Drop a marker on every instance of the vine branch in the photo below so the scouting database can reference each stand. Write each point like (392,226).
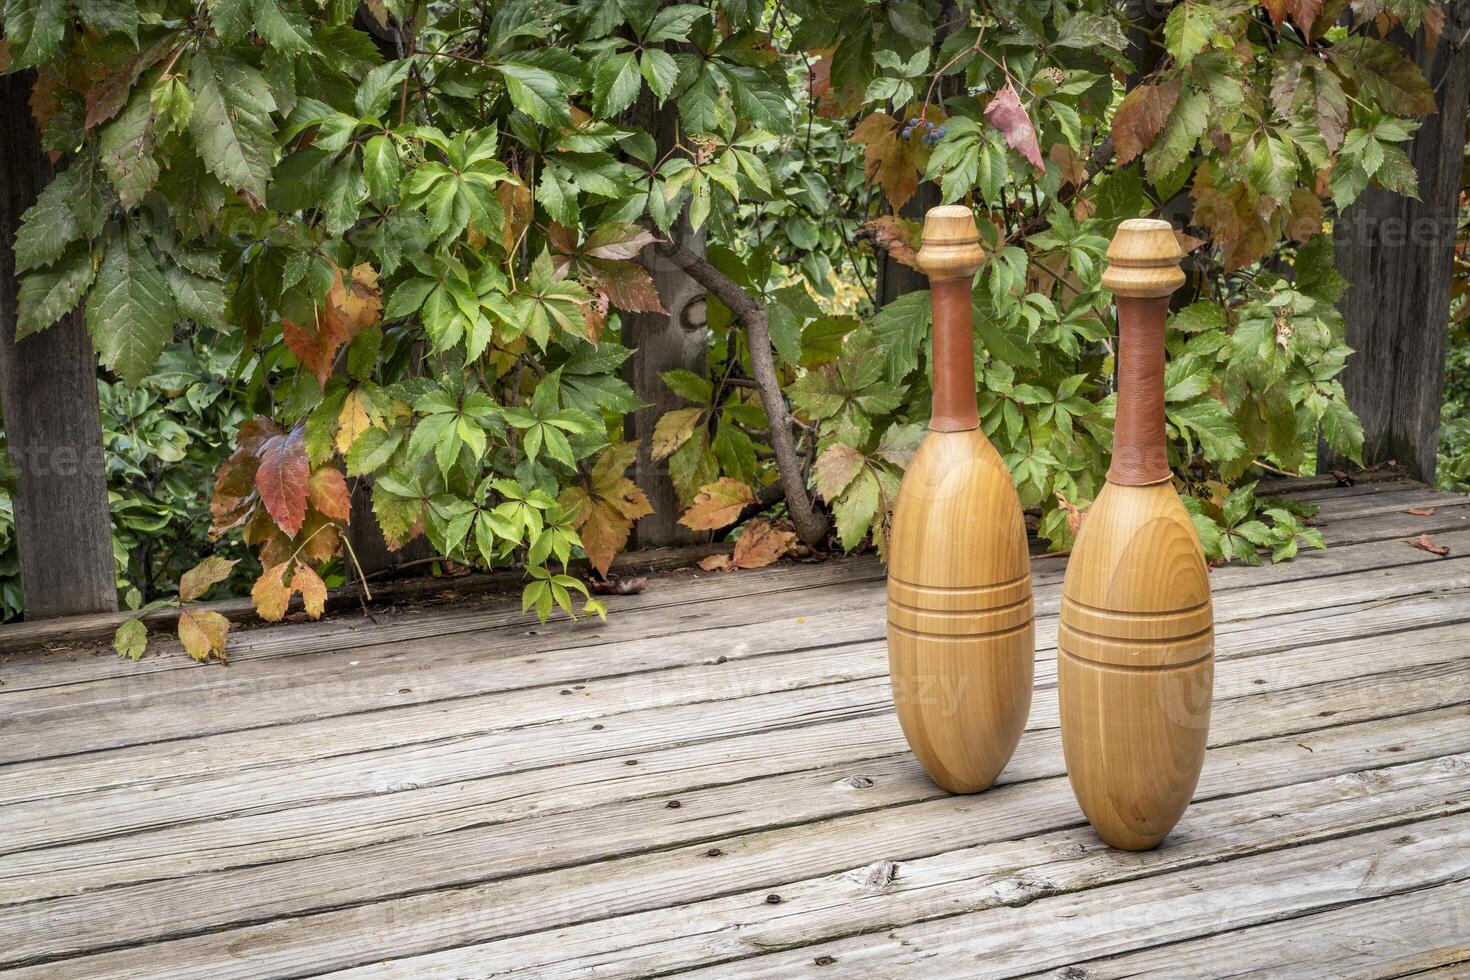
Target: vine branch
(811,526)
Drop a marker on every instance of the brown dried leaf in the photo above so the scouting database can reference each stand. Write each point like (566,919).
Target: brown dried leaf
(1423,543)
(889,161)
(1420,511)
(1141,117)
(761,544)
(897,236)
(632,585)
(717,504)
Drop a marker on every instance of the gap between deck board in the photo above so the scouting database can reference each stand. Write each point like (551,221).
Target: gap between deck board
(109,724)
(1397,936)
(88,864)
(969,879)
(84,919)
(89,775)
(1026,810)
(291,641)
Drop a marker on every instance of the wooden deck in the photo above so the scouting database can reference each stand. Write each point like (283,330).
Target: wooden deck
(714,781)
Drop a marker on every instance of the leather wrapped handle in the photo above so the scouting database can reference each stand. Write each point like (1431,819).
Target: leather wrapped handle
(1143,270)
(949,257)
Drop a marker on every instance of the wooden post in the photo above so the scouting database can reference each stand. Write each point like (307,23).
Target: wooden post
(1397,255)
(48,392)
(1135,642)
(663,342)
(961,634)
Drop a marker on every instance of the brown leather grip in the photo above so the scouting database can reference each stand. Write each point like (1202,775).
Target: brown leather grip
(953,407)
(1140,453)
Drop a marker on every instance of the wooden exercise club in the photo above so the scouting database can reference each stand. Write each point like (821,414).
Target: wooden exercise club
(1136,641)
(961,643)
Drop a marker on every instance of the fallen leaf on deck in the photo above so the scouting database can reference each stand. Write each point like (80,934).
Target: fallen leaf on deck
(1419,511)
(618,586)
(1423,543)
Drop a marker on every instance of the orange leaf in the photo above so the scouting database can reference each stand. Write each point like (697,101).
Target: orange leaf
(717,504)
(271,594)
(313,590)
(327,490)
(1423,543)
(889,160)
(282,477)
(1420,511)
(349,307)
(761,544)
(352,421)
(717,563)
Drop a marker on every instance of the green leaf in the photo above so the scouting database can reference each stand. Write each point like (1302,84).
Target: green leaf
(1199,316)
(49,226)
(688,385)
(1189,29)
(201,300)
(537,93)
(660,71)
(615,84)
(34,29)
(381,168)
(131,639)
(557,195)
(47,296)
(130,312)
(231,125)
(673,23)
(126,146)
(1342,431)
(1188,121)
(284,29)
(1208,420)
(856,508)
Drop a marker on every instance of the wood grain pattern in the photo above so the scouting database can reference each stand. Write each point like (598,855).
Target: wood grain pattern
(961,635)
(961,638)
(1136,638)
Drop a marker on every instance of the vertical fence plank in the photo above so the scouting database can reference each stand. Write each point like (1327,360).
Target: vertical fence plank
(1397,255)
(48,392)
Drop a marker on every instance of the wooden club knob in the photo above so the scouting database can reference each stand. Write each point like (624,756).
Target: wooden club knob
(951,246)
(1143,260)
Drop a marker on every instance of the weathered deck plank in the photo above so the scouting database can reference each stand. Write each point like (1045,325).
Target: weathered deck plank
(451,792)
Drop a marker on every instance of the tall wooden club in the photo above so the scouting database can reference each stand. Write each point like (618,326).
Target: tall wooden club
(961,643)
(1135,661)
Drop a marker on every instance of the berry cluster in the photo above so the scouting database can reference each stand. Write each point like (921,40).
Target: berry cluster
(932,134)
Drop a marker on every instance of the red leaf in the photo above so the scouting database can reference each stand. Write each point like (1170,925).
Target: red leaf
(328,493)
(1006,113)
(349,307)
(1423,543)
(282,479)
